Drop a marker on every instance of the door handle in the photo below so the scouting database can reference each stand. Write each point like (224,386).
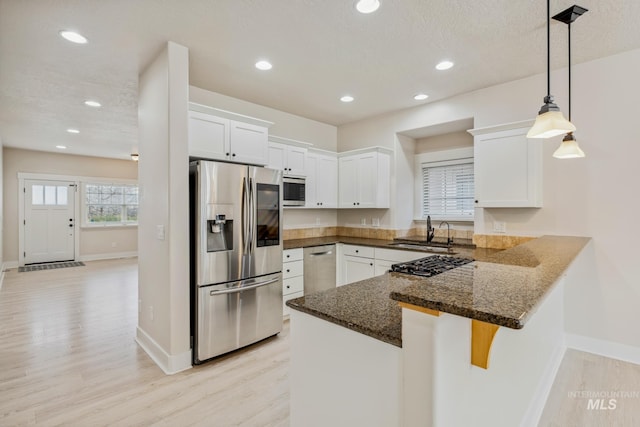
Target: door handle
(321,253)
(71,225)
(244,288)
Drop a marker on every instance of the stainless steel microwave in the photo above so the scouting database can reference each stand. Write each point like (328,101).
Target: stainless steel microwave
(293,191)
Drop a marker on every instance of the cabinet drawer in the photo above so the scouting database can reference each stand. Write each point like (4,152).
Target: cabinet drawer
(286,310)
(294,284)
(292,255)
(361,251)
(292,269)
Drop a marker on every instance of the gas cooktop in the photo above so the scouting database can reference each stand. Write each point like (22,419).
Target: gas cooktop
(430,266)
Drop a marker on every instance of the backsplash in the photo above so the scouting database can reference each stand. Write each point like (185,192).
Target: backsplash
(492,241)
(499,241)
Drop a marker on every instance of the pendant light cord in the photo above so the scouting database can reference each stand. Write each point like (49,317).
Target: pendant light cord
(548,49)
(569,24)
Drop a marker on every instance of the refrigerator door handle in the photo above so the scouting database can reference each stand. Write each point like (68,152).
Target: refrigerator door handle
(245,219)
(245,288)
(252,216)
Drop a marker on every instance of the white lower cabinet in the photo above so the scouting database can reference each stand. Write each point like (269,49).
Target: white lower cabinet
(363,262)
(357,268)
(292,276)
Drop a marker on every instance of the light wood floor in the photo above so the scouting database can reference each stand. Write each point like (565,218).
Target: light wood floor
(68,357)
(584,375)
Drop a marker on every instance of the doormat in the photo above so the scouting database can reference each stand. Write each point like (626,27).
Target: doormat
(50,266)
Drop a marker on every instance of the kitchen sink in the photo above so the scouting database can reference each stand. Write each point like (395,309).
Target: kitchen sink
(424,247)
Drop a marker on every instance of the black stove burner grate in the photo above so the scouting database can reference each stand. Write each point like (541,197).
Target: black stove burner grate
(430,266)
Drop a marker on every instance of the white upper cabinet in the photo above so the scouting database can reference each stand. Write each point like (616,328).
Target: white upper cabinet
(248,143)
(221,135)
(507,167)
(208,136)
(364,179)
(289,156)
(322,180)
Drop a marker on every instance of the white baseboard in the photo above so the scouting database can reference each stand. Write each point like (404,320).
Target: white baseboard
(537,404)
(610,349)
(112,255)
(1,278)
(170,364)
(8,265)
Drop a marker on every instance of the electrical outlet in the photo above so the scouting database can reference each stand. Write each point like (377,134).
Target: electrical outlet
(375,222)
(363,221)
(150,312)
(317,221)
(499,226)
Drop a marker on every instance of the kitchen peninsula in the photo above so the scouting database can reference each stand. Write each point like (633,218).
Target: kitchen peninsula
(416,351)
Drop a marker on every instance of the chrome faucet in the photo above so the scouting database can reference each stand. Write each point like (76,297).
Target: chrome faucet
(449,239)
(431,232)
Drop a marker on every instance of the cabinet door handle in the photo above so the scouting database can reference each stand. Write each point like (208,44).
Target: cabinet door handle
(357,251)
(358,203)
(288,271)
(227,154)
(476,201)
(233,155)
(354,203)
(288,287)
(288,256)
(371,263)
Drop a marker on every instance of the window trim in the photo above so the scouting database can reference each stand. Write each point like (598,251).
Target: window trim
(443,157)
(84,223)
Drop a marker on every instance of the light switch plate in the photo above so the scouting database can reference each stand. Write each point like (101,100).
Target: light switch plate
(160,232)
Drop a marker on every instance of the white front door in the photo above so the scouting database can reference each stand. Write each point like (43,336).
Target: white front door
(49,221)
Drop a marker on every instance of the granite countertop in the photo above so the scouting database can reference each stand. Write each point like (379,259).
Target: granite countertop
(499,287)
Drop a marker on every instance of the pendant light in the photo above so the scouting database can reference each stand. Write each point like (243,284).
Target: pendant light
(569,148)
(550,121)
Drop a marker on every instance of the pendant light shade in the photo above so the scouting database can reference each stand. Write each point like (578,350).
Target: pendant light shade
(568,149)
(550,121)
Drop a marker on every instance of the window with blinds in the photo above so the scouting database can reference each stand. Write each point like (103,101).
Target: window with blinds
(447,190)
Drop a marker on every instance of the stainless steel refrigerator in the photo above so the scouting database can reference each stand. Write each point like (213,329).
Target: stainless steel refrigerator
(236,256)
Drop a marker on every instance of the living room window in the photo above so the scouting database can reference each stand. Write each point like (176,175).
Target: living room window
(110,204)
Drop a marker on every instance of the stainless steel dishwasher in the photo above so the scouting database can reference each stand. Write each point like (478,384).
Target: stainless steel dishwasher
(319,268)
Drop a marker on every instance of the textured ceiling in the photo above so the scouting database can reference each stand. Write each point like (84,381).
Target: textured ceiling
(321,50)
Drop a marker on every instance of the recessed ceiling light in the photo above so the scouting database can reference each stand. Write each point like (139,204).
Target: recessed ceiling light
(420,97)
(73,130)
(444,65)
(61,147)
(263,65)
(74,37)
(91,103)
(346,98)
(367,6)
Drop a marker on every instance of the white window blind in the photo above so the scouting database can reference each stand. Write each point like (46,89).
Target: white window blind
(447,190)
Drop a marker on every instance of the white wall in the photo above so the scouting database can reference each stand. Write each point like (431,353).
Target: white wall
(581,196)
(445,141)
(1,207)
(94,243)
(285,125)
(163,278)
